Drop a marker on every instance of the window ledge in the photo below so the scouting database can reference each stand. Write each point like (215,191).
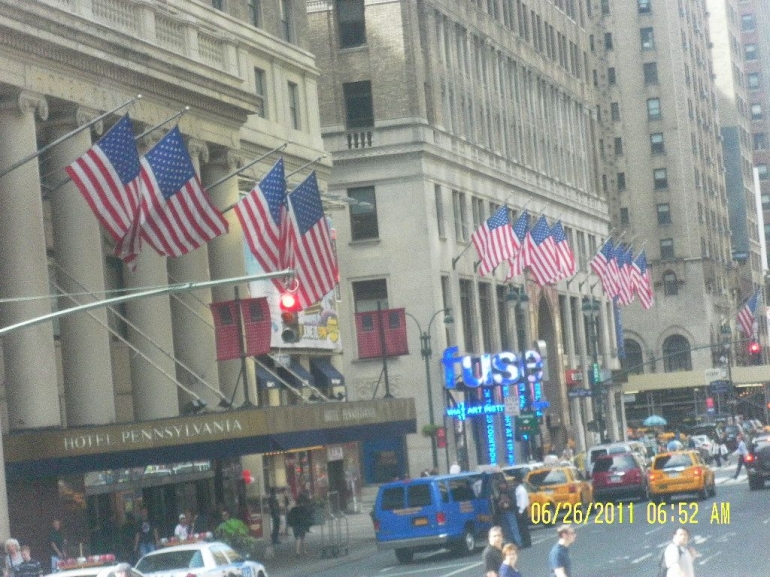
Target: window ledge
(364,242)
(359,48)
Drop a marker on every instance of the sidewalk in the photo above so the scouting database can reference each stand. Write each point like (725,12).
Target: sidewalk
(356,542)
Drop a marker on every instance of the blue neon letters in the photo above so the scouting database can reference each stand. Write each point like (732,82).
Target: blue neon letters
(505,368)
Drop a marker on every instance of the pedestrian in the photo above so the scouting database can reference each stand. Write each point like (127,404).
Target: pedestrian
(29,567)
(677,557)
(285,506)
(675,444)
(300,518)
(522,512)
(741,453)
(510,557)
(492,556)
(275,516)
(182,530)
(13,558)
(146,538)
(232,526)
(558,559)
(57,543)
(714,452)
(126,533)
(506,514)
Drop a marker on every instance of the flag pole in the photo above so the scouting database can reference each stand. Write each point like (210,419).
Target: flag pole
(244,167)
(455,259)
(186,109)
(304,166)
(61,139)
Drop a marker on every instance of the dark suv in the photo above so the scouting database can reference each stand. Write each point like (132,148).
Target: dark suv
(758,462)
(620,475)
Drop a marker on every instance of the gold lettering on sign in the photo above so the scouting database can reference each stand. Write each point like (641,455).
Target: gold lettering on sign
(150,434)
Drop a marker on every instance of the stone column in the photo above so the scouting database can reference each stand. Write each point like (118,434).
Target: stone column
(608,329)
(577,413)
(29,354)
(226,259)
(84,340)
(193,332)
(586,360)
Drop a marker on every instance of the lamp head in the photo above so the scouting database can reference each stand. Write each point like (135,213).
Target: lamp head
(448,318)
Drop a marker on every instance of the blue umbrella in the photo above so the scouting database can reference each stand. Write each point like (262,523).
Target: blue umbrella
(654,421)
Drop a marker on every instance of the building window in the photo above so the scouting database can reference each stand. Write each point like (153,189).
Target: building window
(670,284)
(486,310)
(624,218)
(621,178)
(260,88)
(753,80)
(664,214)
(477,212)
(359,107)
(762,171)
(765,202)
(653,109)
(648,38)
(676,354)
(350,18)
(749,51)
(643,6)
(287,25)
(657,144)
(218,4)
(368,294)
(255,13)
(294,104)
(650,72)
(618,146)
(633,363)
(460,216)
(612,75)
(756,111)
(363,213)
(608,40)
(760,141)
(748,22)
(605,7)
(660,177)
(615,111)
(440,210)
(467,314)
(667,249)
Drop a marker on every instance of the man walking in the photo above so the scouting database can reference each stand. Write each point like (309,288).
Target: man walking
(506,512)
(146,538)
(677,557)
(56,540)
(558,559)
(741,452)
(522,512)
(275,515)
(492,556)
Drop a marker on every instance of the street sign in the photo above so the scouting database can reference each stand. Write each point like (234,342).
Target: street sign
(720,386)
(526,423)
(540,405)
(716,374)
(629,398)
(577,393)
(595,374)
(512,408)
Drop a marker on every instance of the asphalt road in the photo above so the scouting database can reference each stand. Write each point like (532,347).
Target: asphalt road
(729,533)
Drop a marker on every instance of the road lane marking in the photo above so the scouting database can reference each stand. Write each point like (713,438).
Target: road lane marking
(640,559)
(655,530)
(709,558)
(415,571)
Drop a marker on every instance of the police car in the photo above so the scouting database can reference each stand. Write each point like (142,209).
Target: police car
(199,560)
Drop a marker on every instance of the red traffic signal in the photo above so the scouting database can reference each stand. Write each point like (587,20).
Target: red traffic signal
(246,476)
(290,308)
(288,302)
(754,348)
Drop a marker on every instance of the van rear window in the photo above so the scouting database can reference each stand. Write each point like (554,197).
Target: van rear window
(392,498)
(461,490)
(418,495)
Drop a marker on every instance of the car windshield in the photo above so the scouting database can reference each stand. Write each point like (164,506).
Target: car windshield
(169,560)
(616,463)
(673,461)
(543,478)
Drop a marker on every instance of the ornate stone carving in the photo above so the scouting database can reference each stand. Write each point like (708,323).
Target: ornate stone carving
(27,102)
(198,148)
(84,115)
(230,160)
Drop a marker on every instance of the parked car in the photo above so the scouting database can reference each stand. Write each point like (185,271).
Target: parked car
(623,475)
(430,513)
(202,559)
(99,571)
(680,472)
(563,484)
(758,461)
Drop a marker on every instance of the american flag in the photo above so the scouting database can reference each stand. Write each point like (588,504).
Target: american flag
(640,276)
(494,241)
(107,176)
(310,243)
(624,258)
(542,258)
(517,262)
(567,266)
(746,316)
(177,215)
(262,214)
(600,265)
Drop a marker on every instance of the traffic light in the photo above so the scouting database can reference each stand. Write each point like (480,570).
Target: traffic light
(755,353)
(290,308)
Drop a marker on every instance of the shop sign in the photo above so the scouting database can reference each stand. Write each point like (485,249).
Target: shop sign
(334,453)
(504,368)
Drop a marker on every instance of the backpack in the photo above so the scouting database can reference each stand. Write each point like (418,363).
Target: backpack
(662,569)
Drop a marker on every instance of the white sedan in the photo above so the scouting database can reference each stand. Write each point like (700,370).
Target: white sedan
(199,560)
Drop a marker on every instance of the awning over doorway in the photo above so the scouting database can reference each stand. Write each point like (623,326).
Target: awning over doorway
(265,379)
(325,373)
(296,375)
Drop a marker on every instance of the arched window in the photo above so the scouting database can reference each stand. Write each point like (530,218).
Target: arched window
(670,284)
(632,364)
(676,354)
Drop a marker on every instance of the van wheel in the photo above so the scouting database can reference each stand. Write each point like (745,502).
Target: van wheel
(468,543)
(404,555)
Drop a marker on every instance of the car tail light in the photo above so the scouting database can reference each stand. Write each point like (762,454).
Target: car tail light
(376,525)
(572,489)
(749,458)
(653,475)
(441,518)
(697,471)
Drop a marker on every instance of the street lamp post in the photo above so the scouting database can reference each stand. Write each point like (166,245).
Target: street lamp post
(591,307)
(726,346)
(426,352)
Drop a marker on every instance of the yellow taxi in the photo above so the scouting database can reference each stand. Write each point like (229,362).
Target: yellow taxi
(561,484)
(680,472)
